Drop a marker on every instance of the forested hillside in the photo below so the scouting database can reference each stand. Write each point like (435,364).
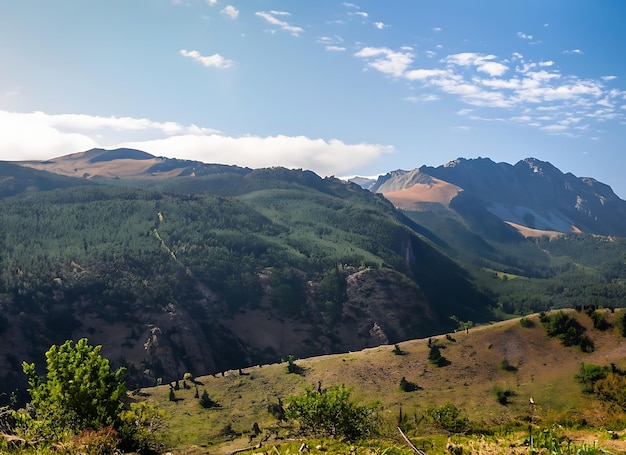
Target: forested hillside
(216,272)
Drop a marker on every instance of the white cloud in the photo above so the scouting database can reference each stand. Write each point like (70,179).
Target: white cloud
(360,13)
(493,68)
(385,60)
(230,11)
(40,136)
(437,29)
(333,48)
(212,2)
(524,35)
(609,78)
(573,51)
(270,16)
(380,25)
(534,88)
(325,157)
(215,60)
(427,98)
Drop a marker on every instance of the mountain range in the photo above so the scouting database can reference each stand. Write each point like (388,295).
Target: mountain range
(532,194)
(176,265)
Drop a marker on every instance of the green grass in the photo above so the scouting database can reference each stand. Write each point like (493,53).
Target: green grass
(545,371)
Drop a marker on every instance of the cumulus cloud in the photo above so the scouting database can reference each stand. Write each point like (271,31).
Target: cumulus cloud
(386,60)
(39,136)
(230,11)
(380,25)
(212,2)
(215,60)
(272,18)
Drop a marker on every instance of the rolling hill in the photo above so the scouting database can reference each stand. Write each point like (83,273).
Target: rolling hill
(538,369)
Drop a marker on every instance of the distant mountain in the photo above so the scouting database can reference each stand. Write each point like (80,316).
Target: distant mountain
(531,193)
(126,164)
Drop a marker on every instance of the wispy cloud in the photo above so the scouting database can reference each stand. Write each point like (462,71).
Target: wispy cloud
(230,11)
(215,60)
(524,36)
(573,52)
(533,93)
(332,48)
(39,136)
(272,18)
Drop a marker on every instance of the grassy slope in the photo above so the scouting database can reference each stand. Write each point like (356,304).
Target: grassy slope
(545,371)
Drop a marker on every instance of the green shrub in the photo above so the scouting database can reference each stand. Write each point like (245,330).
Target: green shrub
(567,329)
(589,374)
(79,392)
(448,417)
(206,402)
(526,322)
(408,386)
(505,365)
(503,395)
(332,413)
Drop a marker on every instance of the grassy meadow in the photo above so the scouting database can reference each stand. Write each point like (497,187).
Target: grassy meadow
(482,363)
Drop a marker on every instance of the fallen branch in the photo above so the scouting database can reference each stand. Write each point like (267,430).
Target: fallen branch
(411,445)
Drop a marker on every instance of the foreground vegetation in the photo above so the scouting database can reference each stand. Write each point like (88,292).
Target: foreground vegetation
(511,387)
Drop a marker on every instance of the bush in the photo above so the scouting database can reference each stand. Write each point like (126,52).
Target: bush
(435,357)
(589,374)
(408,386)
(503,395)
(206,402)
(79,392)
(505,365)
(292,367)
(567,329)
(526,322)
(332,413)
(448,417)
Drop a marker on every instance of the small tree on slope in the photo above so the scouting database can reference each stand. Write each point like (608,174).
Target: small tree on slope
(79,391)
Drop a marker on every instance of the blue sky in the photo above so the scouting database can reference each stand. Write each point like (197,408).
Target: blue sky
(341,88)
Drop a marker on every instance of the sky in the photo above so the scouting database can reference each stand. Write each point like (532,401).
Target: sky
(340,88)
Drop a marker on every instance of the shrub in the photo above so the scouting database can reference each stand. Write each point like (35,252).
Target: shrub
(599,320)
(408,386)
(567,329)
(505,365)
(448,417)
(435,357)
(526,322)
(589,374)
(622,324)
(206,402)
(79,392)
(292,367)
(503,395)
(332,414)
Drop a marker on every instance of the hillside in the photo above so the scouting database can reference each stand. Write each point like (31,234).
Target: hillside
(540,368)
(213,272)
